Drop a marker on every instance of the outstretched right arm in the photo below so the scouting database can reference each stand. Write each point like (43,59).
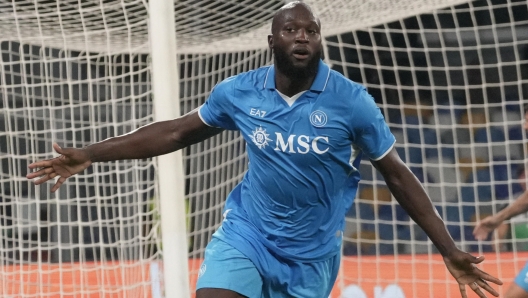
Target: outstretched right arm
(151,140)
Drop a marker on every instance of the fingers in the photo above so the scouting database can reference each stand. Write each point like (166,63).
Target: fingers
(58,184)
(57,148)
(48,174)
(45,167)
(45,174)
(39,173)
(462,288)
(47,162)
(481,232)
(481,236)
(478,233)
(52,168)
(45,178)
(478,260)
(483,284)
(475,287)
(40,164)
(483,276)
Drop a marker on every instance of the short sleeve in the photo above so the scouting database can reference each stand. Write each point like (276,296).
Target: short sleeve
(217,111)
(371,133)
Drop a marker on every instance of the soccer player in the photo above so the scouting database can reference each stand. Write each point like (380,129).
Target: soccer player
(518,289)
(306,127)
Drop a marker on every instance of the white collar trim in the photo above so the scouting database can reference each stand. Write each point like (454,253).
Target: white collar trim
(290,100)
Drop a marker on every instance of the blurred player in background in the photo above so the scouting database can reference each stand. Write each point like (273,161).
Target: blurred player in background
(306,127)
(519,289)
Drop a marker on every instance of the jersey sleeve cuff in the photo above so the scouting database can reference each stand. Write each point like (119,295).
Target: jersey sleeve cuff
(202,118)
(385,153)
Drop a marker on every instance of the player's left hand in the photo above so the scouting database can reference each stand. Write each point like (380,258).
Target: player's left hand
(462,266)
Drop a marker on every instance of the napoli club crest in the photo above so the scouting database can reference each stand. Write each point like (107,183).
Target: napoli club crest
(318,118)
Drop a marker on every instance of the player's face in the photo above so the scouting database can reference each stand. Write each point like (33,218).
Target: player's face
(296,42)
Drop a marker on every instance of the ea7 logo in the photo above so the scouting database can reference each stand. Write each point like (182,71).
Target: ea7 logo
(301,144)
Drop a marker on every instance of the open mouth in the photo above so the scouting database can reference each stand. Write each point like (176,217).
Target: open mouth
(301,53)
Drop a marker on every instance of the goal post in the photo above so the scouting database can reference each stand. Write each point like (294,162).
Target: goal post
(170,166)
(450,77)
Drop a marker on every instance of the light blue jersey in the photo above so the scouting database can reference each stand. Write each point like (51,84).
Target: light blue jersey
(522,278)
(303,161)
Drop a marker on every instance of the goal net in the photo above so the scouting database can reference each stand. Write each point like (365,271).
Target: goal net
(450,77)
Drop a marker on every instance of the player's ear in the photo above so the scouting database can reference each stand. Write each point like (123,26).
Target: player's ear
(270,41)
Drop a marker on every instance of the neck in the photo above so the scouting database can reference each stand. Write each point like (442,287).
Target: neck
(289,85)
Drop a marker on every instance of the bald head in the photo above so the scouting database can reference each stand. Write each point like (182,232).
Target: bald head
(282,15)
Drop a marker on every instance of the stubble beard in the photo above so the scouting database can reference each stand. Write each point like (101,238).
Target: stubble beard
(285,64)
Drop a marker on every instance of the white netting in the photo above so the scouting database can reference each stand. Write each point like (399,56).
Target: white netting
(449,77)
(98,236)
(201,26)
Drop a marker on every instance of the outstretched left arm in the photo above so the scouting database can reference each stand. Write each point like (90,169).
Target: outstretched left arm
(410,194)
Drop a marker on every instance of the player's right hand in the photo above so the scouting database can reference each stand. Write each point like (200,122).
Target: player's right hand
(70,162)
(485,227)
